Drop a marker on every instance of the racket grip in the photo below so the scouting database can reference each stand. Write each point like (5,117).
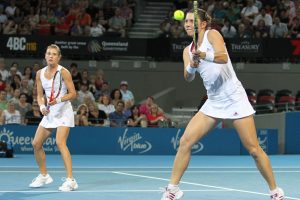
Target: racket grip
(48,107)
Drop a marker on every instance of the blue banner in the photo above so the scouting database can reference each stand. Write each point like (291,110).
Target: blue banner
(125,141)
(292,133)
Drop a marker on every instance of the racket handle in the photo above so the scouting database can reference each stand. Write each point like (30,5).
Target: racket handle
(48,107)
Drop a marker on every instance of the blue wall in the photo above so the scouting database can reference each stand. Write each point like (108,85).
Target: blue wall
(137,141)
(292,133)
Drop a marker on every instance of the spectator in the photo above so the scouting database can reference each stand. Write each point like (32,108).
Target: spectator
(76,29)
(137,119)
(97,29)
(10,28)
(155,117)
(295,28)
(84,18)
(3,16)
(105,89)
(117,23)
(2,83)
(126,13)
(33,18)
(115,96)
(81,117)
(261,30)
(278,29)
(105,105)
(96,116)
(242,32)
(27,74)
(228,31)
(146,107)
(4,73)
(23,107)
(3,100)
(43,27)
(264,16)
(36,67)
(127,95)
(250,11)
(84,93)
(117,118)
(10,115)
(101,20)
(76,75)
(11,9)
(16,96)
(16,82)
(34,116)
(85,79)
(61,27)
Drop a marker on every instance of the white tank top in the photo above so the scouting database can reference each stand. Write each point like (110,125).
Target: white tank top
(47,83)
(219,79)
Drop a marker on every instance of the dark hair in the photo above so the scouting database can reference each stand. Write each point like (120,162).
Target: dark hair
(112,94)
(203,15)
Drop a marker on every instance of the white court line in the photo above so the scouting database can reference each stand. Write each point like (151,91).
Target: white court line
(142,171)
(145,171)
(137,167)
(98,191)
(203,185)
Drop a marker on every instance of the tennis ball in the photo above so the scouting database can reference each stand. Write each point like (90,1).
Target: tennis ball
(179,15)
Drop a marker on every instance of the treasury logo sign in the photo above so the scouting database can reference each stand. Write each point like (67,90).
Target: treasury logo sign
(175,143)
(134,142)
(23,143)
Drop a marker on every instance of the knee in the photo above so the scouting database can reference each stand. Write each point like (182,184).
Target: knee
(60,145)
(37,145)
(255,151)
(185,143)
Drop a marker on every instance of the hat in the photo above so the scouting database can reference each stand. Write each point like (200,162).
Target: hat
(123,83)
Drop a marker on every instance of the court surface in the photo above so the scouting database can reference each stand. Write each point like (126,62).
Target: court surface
(140,177)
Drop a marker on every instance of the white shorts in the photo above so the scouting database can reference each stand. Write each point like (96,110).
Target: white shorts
(60,115)
(229,108)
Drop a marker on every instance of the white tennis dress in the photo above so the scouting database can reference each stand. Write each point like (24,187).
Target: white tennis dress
(227,98)
(60,114)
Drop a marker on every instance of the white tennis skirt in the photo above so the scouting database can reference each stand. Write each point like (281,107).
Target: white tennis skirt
(235,107)
(60,115)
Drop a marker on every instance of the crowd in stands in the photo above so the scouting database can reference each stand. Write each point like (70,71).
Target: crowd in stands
(96,103)
(242,18)
(91,18)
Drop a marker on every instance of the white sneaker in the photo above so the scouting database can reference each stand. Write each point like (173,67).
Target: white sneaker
(171,194)
(277,194)
(41,180)
(68,185)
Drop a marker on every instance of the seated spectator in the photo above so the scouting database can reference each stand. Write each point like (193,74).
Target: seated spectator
(261,29)
(250,11)
(2,83)
(263,16)
(115,96)
(84,18)
(155,117)
(84,93)
(43,27)
(96,116)
(278,29)
(16,82)
(105,89)
(3,101)
(117,23)
(34,116)
(228,31)
(23,107)
(81,117)
(117,118)
(76,29)
(243,32)
(27,74)
(295,28)
(3,16)
(146,107)
(105,105)
(61,27)
(97,29)
(10,115)
(101,20)
(127,95)
(126,13)
(136,119)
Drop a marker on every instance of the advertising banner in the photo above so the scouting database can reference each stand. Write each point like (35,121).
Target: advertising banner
(292,133)
(132,141)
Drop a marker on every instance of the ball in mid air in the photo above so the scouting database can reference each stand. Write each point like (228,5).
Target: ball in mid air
(179,15)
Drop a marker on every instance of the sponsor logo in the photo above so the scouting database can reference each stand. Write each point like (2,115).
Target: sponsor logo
(296,44)
(246,47)
(263,140)
(24,142)
(134,142)
(175,143)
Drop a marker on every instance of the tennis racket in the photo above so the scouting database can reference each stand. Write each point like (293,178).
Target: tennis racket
(56,87)
(196,25)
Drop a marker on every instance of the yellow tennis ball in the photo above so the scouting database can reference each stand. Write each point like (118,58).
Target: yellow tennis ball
(179,15)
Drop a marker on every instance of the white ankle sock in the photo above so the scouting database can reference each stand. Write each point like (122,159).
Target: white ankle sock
(172,186)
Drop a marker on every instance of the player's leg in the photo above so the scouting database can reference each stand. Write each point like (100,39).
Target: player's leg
(199,125)
(61,142)
(247,133)
(40,136)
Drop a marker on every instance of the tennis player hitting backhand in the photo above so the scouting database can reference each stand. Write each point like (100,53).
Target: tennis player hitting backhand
(226,100)
(58,114)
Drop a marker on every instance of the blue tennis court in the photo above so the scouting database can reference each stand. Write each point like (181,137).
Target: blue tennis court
(140,177)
